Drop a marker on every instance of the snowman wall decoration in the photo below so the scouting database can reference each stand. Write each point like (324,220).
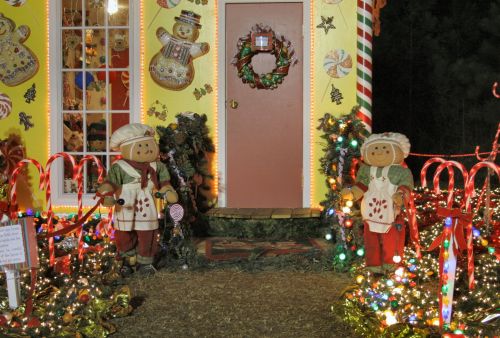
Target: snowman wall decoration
(172,67)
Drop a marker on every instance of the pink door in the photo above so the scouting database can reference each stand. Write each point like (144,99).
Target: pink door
(264,131)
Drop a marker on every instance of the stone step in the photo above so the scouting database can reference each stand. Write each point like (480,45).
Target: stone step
(266,223)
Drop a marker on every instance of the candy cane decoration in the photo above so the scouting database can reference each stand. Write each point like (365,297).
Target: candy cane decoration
(13,179)
(364,69)
(494,90)
(50,213)
(425,167)
(451,179)
(79,179)
(469,193)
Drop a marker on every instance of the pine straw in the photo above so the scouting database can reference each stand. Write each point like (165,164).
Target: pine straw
(231,302)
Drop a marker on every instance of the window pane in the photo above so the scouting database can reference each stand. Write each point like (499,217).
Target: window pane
(118,120)
(72,48)
(72,90)
(95,48)
(93,174)
(118,48)
(70,186)
(73,132)
(72,13)
(96,132)
(96,14)
(120,18)
(96,92)
(120,90)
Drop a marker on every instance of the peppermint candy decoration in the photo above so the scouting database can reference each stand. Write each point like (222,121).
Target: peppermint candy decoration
(337,63)
(176,212)
(5,105)
(168,3)
(16,3)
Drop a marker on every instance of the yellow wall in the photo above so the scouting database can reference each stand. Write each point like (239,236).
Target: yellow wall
(343,37)
(32,14)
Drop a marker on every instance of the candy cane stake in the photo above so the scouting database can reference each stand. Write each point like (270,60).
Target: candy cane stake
(13,179)
(79,179)
(451,179)
(50,213)
(469,193)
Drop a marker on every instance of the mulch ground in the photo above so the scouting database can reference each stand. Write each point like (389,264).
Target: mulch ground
(234,302)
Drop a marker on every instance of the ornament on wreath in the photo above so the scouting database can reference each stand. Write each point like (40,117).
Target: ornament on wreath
(172,67)
(262,39)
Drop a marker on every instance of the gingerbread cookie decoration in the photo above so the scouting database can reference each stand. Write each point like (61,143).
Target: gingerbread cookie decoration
(17,62)
(5,105)
(172,67)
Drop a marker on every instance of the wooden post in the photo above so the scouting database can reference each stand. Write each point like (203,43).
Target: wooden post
(13,288)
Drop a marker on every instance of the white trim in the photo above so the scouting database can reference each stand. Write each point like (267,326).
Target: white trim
(221,104)
(58,198)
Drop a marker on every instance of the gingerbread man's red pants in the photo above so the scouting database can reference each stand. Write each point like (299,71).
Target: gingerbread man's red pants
(381,248)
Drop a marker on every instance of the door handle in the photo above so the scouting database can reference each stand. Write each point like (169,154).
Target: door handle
(233,104)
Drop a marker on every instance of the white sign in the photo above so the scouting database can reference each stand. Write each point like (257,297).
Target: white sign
(11,245)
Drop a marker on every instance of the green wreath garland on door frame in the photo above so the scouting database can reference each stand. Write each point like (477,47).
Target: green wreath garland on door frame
(281,49)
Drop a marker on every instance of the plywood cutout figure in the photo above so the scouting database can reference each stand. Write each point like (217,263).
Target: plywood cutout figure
(17,62)
(172,67)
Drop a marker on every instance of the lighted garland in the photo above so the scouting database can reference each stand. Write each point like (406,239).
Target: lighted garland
(282,50)
(343,138)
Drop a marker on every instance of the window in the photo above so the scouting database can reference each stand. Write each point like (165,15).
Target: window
(92,80)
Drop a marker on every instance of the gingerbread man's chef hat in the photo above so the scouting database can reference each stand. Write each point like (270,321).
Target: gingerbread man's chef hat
(130,133)
(395,139)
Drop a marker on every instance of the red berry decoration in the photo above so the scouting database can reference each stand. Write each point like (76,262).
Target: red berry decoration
(84,298)
(34,322)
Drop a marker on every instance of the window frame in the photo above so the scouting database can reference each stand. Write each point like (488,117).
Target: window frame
(55,74)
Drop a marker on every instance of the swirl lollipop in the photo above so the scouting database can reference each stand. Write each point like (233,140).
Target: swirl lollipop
(15,3)
(337,63)
(164,4)
(5,105)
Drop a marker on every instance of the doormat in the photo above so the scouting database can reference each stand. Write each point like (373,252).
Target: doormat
(223,248)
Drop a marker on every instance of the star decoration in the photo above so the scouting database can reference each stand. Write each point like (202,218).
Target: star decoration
(326,23)
(336,95)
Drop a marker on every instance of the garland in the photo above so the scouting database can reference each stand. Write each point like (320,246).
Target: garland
(282,49)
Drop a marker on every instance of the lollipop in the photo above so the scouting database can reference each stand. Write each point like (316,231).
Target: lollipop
(15,3)
(164,4)
(337,63)
(5,105)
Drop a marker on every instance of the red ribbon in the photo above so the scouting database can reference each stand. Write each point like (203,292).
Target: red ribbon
(458,232)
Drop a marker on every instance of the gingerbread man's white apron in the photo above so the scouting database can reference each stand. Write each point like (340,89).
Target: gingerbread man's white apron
(377,207)
(139,211)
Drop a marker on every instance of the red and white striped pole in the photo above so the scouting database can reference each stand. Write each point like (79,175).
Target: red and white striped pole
(364,58)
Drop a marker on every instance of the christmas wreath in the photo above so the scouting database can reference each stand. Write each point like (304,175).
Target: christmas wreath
(281,48)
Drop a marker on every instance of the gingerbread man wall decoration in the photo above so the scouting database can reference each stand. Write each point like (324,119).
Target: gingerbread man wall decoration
(17,62)
(172,67)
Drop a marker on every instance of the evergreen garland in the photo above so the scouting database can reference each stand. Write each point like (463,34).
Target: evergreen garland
(343,136)
(185,147)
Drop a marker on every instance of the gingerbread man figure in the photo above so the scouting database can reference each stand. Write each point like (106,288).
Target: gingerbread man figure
(172,67)
(17,62)
(383,185)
